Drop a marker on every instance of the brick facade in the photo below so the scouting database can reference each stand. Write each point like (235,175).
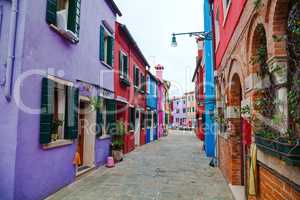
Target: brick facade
(240,82)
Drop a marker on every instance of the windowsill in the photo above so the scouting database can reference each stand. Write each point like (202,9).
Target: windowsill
(68,35)
(103,137)
(106,65)
(124,81)
(57,144)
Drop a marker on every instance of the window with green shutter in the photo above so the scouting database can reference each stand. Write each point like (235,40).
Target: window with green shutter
(99,118)
(123,68)
(131,118)
(136,77)
(143,119)
(59,116)
(106,50)
(64,15)
(110,116)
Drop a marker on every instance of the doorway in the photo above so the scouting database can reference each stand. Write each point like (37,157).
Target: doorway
(86,137)
(137,130)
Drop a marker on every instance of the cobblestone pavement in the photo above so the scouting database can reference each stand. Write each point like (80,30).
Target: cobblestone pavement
(170,169)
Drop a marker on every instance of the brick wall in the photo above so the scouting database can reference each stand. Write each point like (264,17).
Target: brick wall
(271,187)
(224,158)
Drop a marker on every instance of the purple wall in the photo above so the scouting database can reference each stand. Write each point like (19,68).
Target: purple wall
(35,172)
(102,151)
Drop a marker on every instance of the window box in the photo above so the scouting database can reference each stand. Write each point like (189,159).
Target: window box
(266,145)
(124,81)
(281,148)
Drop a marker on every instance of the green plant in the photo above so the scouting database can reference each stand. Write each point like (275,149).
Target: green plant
(120,127)
(245,110)
(96,103)
(117,145)
(267,134)
(257,4)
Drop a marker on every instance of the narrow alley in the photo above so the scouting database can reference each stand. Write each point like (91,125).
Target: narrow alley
(160,170)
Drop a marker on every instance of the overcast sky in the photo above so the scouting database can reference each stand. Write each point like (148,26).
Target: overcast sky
(151,22)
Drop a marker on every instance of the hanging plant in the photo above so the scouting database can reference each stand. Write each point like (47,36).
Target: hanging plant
(257,4)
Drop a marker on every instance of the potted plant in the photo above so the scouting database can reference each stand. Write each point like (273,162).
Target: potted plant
(56,123)
(117,141)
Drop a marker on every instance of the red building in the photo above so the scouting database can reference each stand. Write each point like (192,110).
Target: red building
(130,88)
(227,14)
(198,79)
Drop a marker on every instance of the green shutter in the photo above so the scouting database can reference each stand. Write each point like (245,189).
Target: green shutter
(74,16)
(71,114)
(111,115)
(110,51)
(137,77)
(131,118)
(121,63)
(99,120)
(101,50)
(126,66)
(51,11)
(47,110)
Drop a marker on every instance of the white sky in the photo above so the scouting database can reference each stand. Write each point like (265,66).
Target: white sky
(151,22)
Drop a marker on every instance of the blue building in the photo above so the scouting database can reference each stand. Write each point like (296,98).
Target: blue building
(151,133)
(210,103)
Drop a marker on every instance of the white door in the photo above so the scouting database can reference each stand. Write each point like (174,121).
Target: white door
(137,130)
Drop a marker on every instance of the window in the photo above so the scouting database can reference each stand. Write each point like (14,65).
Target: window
(184,110)
(143,83)
(110,116)
(131,118)
(183,101)
(226,5)
(193,109)
(106,46)
(136,76)
(64,16)
(123,66)
(177,110)
(59,117)
(217,27)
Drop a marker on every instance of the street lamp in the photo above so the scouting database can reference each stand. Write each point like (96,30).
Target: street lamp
(200,35)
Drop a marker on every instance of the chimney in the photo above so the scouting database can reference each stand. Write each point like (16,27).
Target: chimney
(159,71)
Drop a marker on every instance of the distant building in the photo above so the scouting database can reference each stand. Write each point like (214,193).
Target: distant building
(190,109)
(179,112)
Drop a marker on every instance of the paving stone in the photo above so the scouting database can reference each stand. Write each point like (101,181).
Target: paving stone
(173,168)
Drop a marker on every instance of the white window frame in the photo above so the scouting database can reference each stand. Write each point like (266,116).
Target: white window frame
(225,10)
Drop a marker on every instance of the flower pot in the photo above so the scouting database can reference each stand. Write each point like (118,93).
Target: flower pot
(117,155)
(267,145)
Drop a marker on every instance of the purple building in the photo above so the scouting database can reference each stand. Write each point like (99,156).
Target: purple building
(179,112)
(56,83)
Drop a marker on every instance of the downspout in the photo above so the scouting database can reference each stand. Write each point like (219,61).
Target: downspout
(214,65)
(11,50)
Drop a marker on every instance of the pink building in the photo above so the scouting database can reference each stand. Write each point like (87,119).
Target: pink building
(161,99)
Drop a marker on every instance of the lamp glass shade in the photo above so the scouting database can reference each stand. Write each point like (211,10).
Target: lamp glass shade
(174,42)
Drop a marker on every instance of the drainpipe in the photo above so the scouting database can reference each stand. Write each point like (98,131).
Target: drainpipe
(11,50)
(214,63)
